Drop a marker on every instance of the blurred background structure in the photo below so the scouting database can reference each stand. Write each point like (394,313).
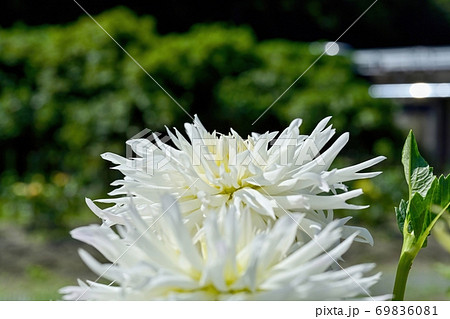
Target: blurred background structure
(68,93)
(418,77)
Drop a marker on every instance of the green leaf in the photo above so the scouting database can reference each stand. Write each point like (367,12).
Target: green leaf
(441,196)
(420,214)
(421,180)
(417,208)
(400,213)
(418,174)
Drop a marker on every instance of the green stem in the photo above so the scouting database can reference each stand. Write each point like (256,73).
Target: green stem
(410,249)
(404,265)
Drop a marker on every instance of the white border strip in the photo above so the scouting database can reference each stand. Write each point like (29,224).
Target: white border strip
(226,310)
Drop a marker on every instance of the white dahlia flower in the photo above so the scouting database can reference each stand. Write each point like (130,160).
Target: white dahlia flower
(232,261)
(264,175)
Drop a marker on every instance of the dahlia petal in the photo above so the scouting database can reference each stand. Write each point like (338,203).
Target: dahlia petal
(183,239)
(351,172)
(256,200)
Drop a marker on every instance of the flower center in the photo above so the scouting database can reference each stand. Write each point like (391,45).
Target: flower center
(229,190)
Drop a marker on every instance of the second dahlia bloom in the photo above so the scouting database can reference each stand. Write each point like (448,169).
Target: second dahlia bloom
(265,175)
(231,260)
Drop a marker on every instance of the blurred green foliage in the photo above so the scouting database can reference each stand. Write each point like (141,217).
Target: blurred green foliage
(68,94)
(37,283)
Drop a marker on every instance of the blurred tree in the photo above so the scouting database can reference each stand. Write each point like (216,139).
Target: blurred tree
(68,94)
